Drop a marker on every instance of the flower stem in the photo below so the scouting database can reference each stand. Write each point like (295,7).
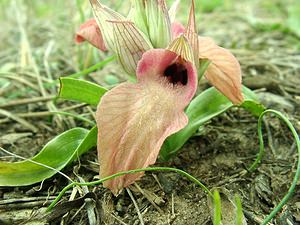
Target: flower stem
(93,68)
(97,182)
(80,10)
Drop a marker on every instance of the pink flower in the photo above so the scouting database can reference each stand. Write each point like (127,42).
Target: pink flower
(134,119)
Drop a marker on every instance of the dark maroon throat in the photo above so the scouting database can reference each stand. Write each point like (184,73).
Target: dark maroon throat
(176,74)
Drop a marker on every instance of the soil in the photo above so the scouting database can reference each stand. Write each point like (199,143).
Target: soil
(217,155)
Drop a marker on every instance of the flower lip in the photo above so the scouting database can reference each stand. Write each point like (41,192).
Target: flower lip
(169,69)
(176,73)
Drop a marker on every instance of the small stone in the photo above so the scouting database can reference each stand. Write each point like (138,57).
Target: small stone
(119,205)
(168,182)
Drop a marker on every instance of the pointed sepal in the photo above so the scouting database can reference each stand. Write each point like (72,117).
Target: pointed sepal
(158,21)
(130,44)
(137,14)
(224,70)
(103,14)
(192,35)
(182,48)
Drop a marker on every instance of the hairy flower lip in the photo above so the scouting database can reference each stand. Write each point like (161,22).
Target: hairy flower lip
(148,68)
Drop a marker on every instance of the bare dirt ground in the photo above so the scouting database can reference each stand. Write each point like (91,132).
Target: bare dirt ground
(36,51)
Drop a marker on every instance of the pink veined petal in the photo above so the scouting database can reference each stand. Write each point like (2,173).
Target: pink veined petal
(103,14)
(181,47)
(177,29)
(224,71)
(130,44)
(90,31)
(134,119)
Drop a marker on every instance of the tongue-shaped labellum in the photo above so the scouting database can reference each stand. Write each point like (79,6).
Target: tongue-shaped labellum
(135,119)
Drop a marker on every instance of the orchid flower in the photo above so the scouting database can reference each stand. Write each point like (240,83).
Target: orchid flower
(134,119)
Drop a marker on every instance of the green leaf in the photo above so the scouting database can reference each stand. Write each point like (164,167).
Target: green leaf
(56,154)
(204,107)
(80,90)
(239,211)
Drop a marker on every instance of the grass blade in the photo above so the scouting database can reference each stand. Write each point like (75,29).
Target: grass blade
(97,182)
(260,155)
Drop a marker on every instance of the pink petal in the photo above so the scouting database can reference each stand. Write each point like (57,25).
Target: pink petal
(177,29)
(134,119)
(89,31)
(224,72)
